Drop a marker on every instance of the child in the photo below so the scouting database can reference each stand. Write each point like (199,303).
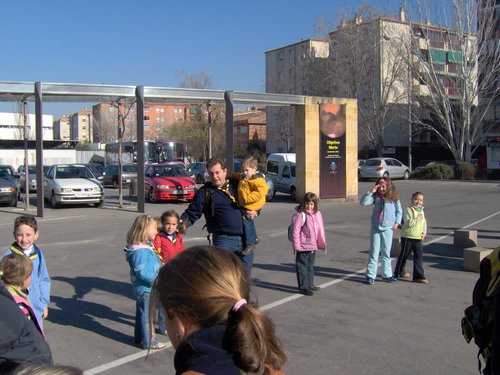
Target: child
(386,216)
(144,266)
(26,233)
(252,191)
(169,241)
(15,271)
(413,232)
(213,326)
(307,237)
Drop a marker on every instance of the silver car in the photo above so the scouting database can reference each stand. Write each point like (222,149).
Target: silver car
(384,167)
(31,177)
(72,184)
(110,175)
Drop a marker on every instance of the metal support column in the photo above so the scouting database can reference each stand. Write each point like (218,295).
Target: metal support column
(139,95)
(229,99)
(39,148)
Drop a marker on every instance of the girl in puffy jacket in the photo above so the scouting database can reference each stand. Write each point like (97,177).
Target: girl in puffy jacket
(308,236)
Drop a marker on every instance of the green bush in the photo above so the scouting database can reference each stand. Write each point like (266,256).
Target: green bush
(433,172)
(465,171)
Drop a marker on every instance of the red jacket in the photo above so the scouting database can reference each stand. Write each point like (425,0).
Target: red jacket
(167,249)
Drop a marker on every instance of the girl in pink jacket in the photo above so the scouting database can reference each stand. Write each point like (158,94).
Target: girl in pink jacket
(308,235)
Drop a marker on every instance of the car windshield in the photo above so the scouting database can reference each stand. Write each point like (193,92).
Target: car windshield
(170,171)
(372,163)
(130,168)
(73,172)
(5,173)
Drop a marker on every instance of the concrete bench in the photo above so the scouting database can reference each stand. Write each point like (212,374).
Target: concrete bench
(464,238)
(473,256)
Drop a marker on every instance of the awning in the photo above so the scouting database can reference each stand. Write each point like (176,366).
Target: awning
(437,56)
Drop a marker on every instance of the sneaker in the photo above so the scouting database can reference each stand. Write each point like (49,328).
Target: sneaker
(369,281)
(405,276)
(315,288)
(157,345)
(391,279)
(248,250)
(422,281)
(306,292)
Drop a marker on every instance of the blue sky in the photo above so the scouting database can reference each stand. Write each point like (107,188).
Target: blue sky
(150,42)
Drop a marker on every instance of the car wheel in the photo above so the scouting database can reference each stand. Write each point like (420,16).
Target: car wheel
(13,203)
(115,184)
(99,204)
(53,201)
(406,175)
(151,196)
(386,175)
(293,193)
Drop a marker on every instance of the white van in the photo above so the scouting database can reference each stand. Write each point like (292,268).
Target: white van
(281,169)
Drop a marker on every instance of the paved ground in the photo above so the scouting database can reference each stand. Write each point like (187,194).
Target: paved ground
(345,328)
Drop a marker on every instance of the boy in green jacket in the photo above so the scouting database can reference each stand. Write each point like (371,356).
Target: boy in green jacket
(413,231)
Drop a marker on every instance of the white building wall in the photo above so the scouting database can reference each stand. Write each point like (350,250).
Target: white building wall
(12,127)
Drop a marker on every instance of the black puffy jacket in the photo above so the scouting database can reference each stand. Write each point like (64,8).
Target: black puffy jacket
(21,343)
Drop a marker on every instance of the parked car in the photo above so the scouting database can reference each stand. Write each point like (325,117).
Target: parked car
(72,184)
(269,181)
(384,167)
(96,169)
(281,170)
(8,185)
(110,175)
(361,162)
(197,171)
(168,181)
(31,177)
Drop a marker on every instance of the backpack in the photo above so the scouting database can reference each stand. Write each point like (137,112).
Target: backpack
(477,323)
(290,227)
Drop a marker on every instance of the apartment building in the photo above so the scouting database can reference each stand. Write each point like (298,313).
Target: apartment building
(62,128)
(80,126)
(250,127)
(156,118)
(377,61)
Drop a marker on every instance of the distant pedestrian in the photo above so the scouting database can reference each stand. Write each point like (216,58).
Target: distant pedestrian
(386,217)
(144,264)
(26,233)
(413,232)
(252,191)
(308,236)
(212,325)
(217,201)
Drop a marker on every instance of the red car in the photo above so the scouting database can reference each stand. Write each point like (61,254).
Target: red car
(165,182)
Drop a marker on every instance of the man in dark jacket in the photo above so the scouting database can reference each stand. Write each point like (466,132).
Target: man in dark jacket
(20,341)
(218,201)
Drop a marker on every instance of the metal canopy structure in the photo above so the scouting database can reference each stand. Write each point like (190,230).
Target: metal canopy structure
(40,92)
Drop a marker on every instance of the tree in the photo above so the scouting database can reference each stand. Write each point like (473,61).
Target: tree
(122,111)
(363,63)
(455,92)
(206,136)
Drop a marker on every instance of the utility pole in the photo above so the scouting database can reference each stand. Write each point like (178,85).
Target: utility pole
(26,168)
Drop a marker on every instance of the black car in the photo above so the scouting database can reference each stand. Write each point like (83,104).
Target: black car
(96,169)
(8,185)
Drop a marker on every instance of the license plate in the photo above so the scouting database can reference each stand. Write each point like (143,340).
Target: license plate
(82,195)
(179,192)
(127,180)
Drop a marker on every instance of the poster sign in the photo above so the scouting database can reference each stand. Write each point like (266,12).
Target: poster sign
(332,122)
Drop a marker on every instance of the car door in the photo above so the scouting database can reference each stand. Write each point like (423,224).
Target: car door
(397,168)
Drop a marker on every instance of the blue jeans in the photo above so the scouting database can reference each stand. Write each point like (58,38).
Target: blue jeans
(250,232)
(304,262)
(142,330)
(235,245)
(381,242)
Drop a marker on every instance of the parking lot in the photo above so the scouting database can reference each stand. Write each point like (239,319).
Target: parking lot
(345,328)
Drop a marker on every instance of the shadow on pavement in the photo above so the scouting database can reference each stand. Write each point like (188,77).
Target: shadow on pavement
(84,285)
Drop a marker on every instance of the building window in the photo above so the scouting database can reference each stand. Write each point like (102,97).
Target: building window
(146,117)
(146,108)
